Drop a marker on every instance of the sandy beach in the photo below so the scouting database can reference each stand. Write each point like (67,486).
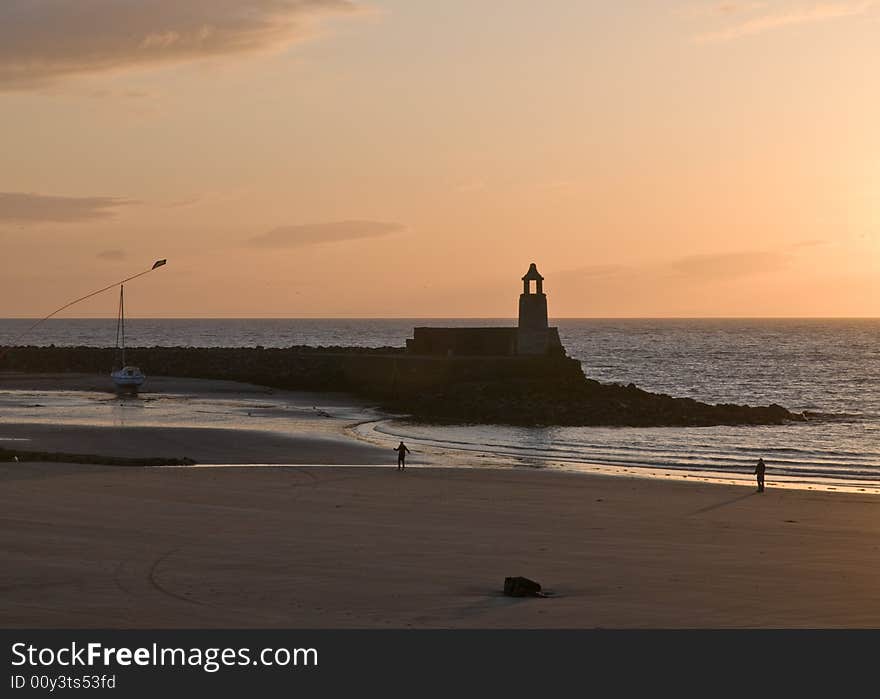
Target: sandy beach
(333,540)
(369,547)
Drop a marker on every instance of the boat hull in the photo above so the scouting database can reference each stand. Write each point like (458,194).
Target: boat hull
(128,379)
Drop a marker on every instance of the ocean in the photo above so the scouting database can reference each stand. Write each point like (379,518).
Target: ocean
(830,367)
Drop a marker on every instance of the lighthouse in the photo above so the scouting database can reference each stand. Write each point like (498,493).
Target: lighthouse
(531,337)
(533,330)
(533,306)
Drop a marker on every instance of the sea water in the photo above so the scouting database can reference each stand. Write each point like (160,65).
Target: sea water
(828,367)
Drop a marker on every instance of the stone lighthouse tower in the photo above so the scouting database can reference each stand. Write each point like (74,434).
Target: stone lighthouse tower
(533,332)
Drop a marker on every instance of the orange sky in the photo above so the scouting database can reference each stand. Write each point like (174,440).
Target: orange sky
(399,158)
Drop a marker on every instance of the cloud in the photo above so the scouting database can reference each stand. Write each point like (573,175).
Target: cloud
(732,8)
(811,243)
(726,265)
(183,203)
(45,41)
(111,255)
(116,94)
(18,207)
(600,272)
(690,268)
(796,14)
(702,10)
(318,233)
(691,285)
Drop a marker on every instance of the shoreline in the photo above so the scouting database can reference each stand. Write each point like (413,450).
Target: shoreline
(742,478)
(253,449)
(294,431)
(585,470)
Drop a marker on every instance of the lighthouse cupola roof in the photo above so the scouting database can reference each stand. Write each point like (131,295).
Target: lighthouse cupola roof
(533,274)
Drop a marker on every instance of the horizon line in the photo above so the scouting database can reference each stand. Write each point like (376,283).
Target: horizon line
(415,317)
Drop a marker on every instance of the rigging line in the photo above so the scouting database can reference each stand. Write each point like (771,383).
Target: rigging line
(15,340)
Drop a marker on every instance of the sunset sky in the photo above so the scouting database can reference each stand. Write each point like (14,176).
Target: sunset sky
(412,157)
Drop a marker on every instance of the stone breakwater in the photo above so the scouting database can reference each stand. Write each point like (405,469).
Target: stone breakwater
(579,403)
(540,390)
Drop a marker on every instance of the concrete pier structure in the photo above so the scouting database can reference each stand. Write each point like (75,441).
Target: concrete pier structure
(532,337)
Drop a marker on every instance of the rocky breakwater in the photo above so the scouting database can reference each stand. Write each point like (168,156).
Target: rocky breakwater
(545,390)
(581,402)
(294,368)
(386,374)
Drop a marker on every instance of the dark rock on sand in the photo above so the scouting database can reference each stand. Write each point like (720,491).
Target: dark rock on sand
(521,587)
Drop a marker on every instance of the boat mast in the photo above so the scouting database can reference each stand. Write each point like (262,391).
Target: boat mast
(122,318)
(120,324)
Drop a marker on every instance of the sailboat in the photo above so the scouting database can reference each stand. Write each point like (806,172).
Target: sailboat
(127,378)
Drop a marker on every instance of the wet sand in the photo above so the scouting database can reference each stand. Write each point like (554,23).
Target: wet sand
(16,381)
(207,421)
(368,547)
(204,445)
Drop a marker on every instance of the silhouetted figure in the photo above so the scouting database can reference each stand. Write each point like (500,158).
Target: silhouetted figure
(402,451)
(759,474)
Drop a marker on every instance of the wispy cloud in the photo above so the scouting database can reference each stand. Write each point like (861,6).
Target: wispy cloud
(111,255)
(726,265)
(811,243)
(714,9)
(318,233)
(45,41)
(118,94)
(601,271)
(183,203)
(19,207)
(690,268)
(794,14)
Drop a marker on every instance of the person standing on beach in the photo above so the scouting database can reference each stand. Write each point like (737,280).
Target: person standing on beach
(759,474)
(402,451)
